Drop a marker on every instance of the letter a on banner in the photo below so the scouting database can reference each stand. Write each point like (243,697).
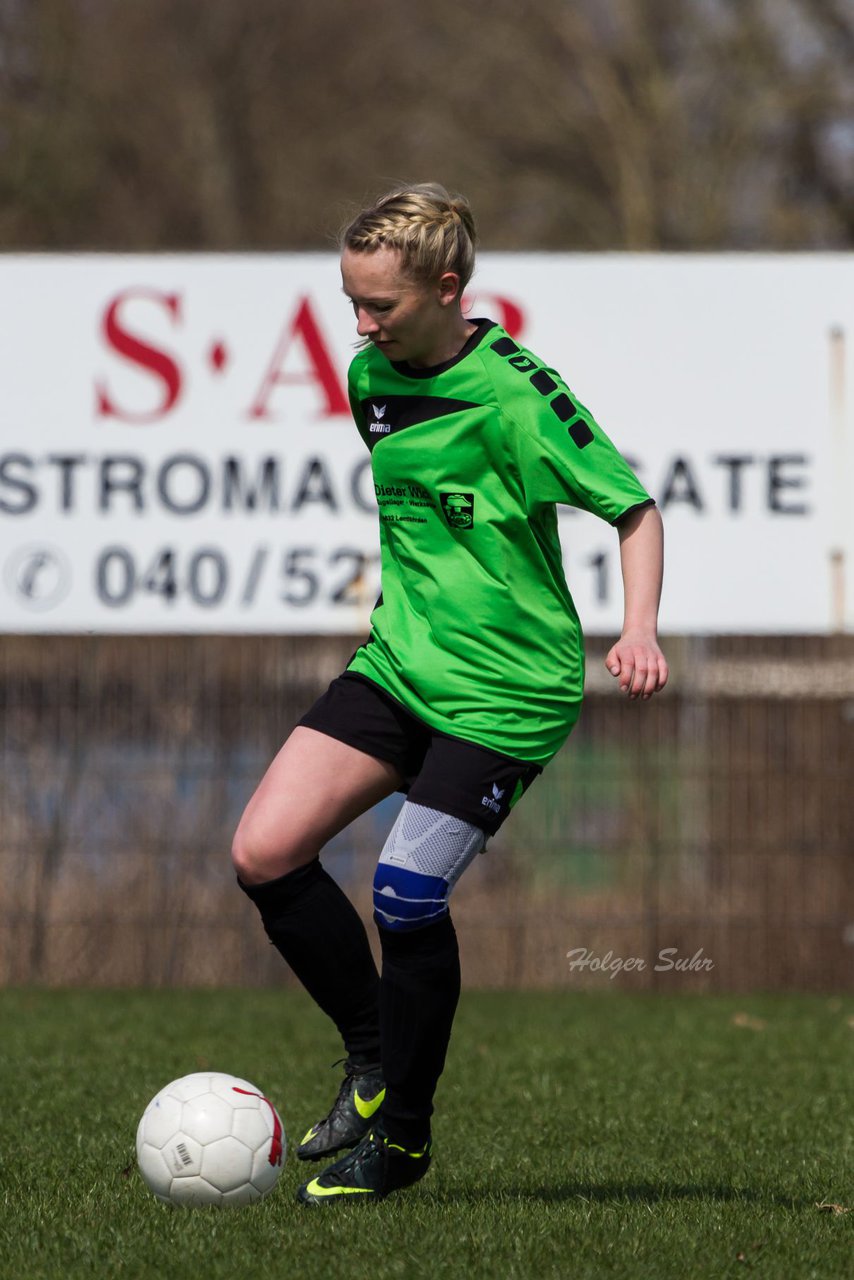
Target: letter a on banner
(322,371)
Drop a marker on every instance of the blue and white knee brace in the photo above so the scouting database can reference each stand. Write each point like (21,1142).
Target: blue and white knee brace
(426,853)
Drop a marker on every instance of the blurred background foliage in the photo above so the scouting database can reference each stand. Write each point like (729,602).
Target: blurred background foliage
(591,124)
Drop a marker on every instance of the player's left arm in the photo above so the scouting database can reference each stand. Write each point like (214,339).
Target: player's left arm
(636,658)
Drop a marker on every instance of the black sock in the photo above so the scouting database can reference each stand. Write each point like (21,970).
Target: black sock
(315,926)
(419,990)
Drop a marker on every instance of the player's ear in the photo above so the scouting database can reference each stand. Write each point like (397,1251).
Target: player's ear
(448,288)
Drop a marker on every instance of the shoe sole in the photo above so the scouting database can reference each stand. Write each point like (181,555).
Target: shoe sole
(314,1156)
(311,1157)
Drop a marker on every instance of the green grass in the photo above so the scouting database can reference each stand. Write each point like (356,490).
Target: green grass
(576,1135)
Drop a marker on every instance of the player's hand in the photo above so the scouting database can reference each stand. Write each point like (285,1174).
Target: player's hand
(638,663)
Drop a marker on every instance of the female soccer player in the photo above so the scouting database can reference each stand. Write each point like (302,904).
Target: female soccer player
(469,683)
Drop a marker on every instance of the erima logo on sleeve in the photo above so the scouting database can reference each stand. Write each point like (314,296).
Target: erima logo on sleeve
(458,509)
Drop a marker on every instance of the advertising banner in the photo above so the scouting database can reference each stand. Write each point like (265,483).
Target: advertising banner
(177,453)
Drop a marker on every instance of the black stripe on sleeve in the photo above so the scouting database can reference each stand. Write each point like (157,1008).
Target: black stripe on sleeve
(505,347)
(563,407)
(580,433)
(542,382)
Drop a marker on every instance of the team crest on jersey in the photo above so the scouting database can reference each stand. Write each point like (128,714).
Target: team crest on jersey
(459,509)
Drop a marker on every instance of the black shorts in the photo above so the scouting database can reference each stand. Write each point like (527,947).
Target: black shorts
(445,773)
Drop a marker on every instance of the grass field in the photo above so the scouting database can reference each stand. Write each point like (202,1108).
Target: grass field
(577,1135)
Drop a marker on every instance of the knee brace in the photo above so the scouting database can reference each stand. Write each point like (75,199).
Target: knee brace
(426,853)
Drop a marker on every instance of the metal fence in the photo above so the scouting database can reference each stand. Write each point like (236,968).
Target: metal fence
(700,841)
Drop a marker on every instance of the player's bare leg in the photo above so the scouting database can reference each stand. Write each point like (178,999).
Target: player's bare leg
(313,789)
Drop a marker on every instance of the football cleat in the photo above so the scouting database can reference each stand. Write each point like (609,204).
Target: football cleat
(375,1169)
(354,1110)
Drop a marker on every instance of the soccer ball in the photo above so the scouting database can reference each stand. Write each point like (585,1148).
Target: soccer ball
(210,1138)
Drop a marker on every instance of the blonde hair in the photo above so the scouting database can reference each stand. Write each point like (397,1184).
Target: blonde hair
(433,230)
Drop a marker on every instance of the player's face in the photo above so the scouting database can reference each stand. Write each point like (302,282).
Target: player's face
(405,319)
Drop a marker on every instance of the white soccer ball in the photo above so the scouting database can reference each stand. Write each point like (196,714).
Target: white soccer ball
(210,1138)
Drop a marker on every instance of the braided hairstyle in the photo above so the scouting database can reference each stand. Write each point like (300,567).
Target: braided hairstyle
(433,230)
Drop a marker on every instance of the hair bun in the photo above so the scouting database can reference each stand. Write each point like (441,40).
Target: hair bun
(432,228)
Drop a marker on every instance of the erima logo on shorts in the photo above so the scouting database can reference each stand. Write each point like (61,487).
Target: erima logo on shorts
(377,427)
(458,509)
(493,802)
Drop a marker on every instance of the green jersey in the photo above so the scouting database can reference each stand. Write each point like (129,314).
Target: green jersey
(475,630)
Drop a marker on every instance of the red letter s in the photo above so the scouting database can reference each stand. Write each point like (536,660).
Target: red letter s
(157,362)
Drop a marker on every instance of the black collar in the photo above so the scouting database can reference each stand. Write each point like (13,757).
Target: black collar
(473,340)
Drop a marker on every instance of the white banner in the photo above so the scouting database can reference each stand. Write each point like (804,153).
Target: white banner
(176,452)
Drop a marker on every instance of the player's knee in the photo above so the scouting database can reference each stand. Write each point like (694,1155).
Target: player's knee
(257,858)
(246,858)
(424,856)
(404,899)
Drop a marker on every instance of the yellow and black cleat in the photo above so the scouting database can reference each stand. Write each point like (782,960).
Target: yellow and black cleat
(353,1112)
(375,1169)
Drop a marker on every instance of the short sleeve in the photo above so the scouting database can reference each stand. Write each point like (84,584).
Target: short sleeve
(567,457)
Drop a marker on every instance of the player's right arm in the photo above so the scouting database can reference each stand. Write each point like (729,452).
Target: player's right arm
(636,659)
(566,457)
